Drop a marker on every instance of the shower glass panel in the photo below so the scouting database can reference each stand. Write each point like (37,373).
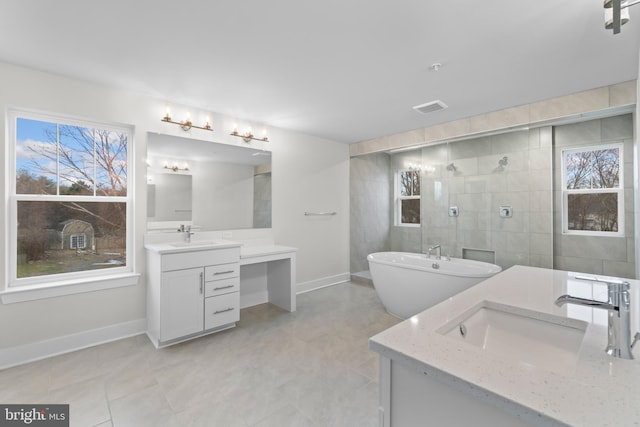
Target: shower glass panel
(437,173)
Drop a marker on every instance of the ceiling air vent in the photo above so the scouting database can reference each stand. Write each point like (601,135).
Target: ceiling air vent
(430,107)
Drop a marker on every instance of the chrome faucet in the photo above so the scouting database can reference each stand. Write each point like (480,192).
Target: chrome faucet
(437,249)
(186,232)
(618,307)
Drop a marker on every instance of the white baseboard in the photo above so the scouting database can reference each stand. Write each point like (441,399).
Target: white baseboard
(31,352)
(312,285)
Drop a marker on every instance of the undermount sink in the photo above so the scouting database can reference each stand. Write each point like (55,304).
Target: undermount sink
(196,244)
(539,339)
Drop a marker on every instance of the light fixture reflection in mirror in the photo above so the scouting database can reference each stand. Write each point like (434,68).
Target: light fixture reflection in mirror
(174,167)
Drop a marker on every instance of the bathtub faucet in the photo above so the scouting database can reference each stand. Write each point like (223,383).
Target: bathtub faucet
(619,333)
(435,248)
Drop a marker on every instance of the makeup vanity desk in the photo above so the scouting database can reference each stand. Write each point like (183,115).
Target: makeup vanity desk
(198,288)
(275,267)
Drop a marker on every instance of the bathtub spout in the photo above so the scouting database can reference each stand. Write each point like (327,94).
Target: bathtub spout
(438,251)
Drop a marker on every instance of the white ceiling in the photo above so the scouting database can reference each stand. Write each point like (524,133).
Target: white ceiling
(346,70)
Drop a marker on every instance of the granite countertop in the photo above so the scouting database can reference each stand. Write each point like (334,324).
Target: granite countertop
(595,389)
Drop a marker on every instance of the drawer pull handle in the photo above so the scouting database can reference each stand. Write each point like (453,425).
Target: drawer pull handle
(223,287)
(223,311)
(201,283)
(223,272)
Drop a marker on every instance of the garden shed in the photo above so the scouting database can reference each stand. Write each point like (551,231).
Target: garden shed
(74,234)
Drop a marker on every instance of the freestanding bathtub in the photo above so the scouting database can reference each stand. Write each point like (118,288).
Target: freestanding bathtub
(408,283)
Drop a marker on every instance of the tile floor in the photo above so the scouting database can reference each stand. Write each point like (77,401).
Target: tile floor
(308,368)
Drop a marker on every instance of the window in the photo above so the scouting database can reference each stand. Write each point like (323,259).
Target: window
(70,210)
(593,191)
(407,190)
(78,241)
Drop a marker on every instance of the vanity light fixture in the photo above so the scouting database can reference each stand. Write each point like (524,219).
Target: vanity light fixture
(616,13)
(187,124)
(248,135)
(176,168)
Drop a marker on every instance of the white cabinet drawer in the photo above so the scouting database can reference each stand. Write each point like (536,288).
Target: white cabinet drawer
(191,259)
(219,287)
(222,271)
(221,310)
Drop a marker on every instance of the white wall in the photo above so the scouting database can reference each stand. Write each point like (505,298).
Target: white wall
(308,174)
(312,175)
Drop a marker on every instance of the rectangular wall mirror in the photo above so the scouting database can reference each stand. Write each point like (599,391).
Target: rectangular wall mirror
(206,184)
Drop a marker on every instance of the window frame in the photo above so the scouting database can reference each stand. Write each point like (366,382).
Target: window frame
(399,198)
(565,193)
(45,286)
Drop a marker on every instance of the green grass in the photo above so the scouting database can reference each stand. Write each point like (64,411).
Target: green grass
(56,262)
(40,269)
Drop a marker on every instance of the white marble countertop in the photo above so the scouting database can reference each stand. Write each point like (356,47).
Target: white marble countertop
(194,245)
(246,250)
(251,251)
(598,391)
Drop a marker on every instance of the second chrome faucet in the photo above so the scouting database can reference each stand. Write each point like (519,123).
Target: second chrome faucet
(618,307)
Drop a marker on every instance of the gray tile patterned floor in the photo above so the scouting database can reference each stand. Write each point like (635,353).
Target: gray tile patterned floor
(308,368)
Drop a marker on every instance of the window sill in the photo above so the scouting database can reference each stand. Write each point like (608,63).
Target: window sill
(17,294)
(593,233)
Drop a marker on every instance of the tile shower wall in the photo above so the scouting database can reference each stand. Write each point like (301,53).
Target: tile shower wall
(468,175)
(613,256)
(371,218)
(262,200)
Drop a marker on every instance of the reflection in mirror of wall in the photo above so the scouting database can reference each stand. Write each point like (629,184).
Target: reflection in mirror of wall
(169,197)
(230,185)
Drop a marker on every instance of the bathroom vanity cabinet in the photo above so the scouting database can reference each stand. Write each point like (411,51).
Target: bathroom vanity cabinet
(517,378)
(192,293)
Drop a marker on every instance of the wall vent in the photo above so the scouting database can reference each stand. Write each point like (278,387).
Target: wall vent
(430,107)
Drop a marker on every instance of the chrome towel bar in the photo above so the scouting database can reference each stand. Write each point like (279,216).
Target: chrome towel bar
(320,213)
